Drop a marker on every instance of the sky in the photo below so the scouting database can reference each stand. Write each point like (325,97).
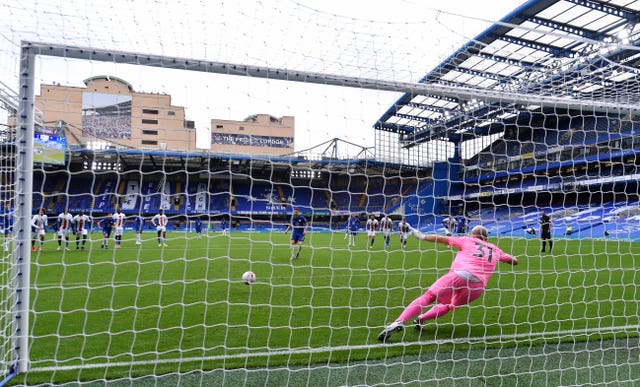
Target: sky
(392,41)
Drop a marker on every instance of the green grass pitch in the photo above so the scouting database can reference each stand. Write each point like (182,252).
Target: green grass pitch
(139,310)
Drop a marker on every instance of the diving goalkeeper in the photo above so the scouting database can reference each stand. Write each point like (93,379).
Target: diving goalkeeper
(470,271)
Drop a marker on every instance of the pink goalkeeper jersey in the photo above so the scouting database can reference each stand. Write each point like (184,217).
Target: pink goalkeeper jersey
(477,257)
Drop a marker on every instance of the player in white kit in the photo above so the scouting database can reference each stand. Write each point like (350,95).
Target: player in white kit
(386,226)
(118,226)
(372,228)
(65,225)
(39,224)
(82,224)
(405,231)
(160,221)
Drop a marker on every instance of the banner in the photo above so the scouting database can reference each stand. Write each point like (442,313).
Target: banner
(249,140)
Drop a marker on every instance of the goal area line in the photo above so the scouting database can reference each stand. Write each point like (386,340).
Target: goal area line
(561,336)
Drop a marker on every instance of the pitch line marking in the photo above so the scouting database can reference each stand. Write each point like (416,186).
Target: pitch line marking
(305,351)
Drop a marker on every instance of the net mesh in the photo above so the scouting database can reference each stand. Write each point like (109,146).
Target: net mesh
(228,158)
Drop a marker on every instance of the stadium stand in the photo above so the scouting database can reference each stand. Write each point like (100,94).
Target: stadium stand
(254,202)
(582,170)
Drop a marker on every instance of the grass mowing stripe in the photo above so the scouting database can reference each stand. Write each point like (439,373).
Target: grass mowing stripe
(96,284)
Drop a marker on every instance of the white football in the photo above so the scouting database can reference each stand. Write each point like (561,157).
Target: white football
(248,277)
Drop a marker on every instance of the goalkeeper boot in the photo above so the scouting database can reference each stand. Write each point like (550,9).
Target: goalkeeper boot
(417,323)
(396,326)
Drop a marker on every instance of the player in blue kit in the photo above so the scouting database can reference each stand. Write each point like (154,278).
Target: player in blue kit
(298,227)
(139,228)
(353,224)
(107,226)
(224,224)
(197,226)
(462,225)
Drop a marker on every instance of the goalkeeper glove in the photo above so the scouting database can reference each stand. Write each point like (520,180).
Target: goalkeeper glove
(417,233)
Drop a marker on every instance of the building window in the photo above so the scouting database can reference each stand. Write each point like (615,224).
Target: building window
(150,122)
(149,111)
(171,113)
(190,124)
(218,126)
(149,142)
(242,128)
(150,132)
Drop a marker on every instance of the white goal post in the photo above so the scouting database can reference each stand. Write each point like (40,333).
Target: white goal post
(202,65)
(22,212)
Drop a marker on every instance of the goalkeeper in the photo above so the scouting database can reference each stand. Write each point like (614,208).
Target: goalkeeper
(470,271)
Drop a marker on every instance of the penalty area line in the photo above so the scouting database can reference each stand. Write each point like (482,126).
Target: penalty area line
(306,351)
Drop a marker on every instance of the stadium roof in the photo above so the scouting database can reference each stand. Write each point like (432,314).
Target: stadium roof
(584,49)
(109,78)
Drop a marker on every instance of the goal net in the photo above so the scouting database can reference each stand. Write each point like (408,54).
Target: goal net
(148,165)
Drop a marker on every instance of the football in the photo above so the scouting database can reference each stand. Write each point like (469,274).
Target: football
(248,277)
